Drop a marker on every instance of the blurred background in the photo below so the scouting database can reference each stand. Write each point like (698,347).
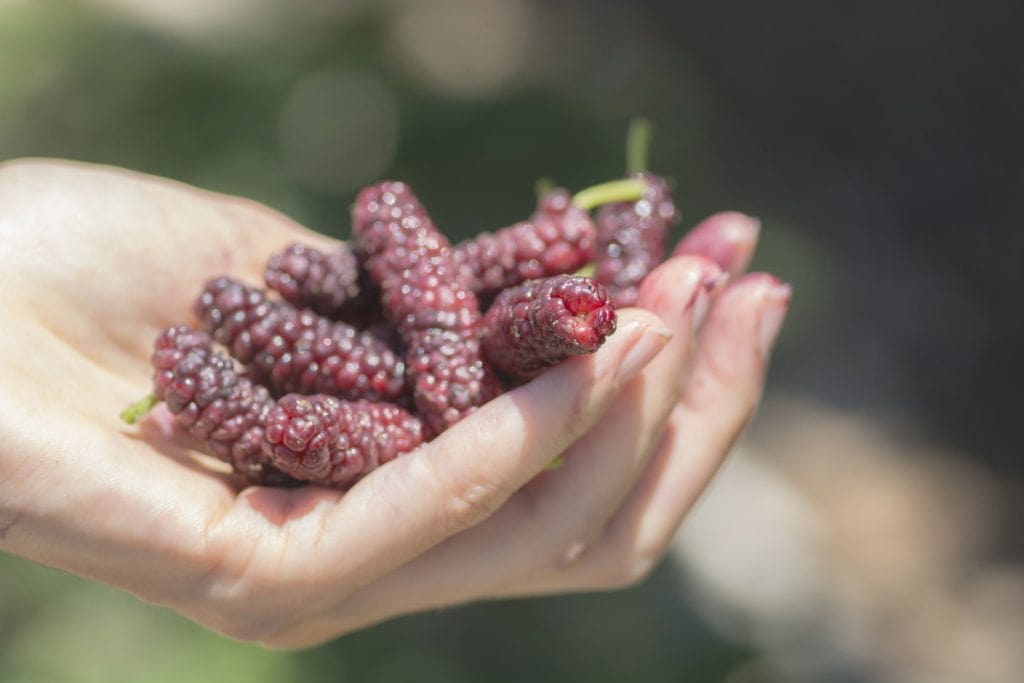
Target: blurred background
(868,528)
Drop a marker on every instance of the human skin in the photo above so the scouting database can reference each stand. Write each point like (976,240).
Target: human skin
(97,261)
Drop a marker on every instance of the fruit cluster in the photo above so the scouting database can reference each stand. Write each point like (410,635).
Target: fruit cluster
(353,357)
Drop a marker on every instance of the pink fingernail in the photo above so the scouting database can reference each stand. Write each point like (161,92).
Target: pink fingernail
(726,238)
(650,341)
(773,313)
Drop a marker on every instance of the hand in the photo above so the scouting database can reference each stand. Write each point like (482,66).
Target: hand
(97,261)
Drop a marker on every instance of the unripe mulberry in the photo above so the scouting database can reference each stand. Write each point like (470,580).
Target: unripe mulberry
(213,403)
(293,350)
(324,440)
(631,239)
(543,322)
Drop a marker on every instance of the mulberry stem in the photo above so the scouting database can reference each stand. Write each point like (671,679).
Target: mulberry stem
(137,410)
(626,190)
(544,186)
(638,145)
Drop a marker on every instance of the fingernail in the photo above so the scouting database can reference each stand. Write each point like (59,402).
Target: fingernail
(773,313)
(726,238)
(712,281)
(650,341)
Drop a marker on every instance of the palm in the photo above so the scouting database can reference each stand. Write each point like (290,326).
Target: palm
(111,259)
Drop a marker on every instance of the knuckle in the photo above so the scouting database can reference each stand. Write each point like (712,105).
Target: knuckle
(466,503)
(631,561)
(569,553)
(248,627)
(243,602)
(715,380)
(629,572)
(461,498)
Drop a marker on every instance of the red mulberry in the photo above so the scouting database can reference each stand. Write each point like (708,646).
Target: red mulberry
(558,238)
(542,322)
(212,402)
(426,299)
(631,239)
(292,350)
(330,283)
(324,440)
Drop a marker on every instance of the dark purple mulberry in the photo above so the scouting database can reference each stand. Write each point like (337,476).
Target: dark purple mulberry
(331,284)
(425,297)
(558,238)
(293,350)
(631,239)
(324,440)
(212,402)
(542,322)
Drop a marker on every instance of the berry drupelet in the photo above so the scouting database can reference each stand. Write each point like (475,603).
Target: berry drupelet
(425,297)
(631,239)
(542,322)
(324,440)
(293,350)
(213,402)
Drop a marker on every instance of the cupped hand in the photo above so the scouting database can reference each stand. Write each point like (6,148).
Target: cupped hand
(96,261)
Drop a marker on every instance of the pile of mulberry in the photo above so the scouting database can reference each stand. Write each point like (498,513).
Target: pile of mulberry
(357,355)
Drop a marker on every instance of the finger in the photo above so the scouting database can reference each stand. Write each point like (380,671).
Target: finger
(723,392)
(465,474)
(572,505)
(555,516)
(727,238)
(528,528)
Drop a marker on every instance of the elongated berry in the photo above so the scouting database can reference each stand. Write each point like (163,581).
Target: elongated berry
(213,402)
(542,322)
(330,283)
(631,239)
(425,297)
(558,238)
(293,350)
(324,440)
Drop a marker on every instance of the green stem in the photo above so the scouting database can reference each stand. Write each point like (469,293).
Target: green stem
(628,190)
(543,187)
(638,145)
(135,411)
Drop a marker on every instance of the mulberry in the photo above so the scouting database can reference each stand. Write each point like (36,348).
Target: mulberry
(331,284)
(324,440)
(293,350)
(212,402)
(631,239)
(543,322)
(425,297)
(558,238)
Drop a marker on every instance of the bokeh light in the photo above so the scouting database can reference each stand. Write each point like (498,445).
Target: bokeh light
(338,130)
(464,48)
